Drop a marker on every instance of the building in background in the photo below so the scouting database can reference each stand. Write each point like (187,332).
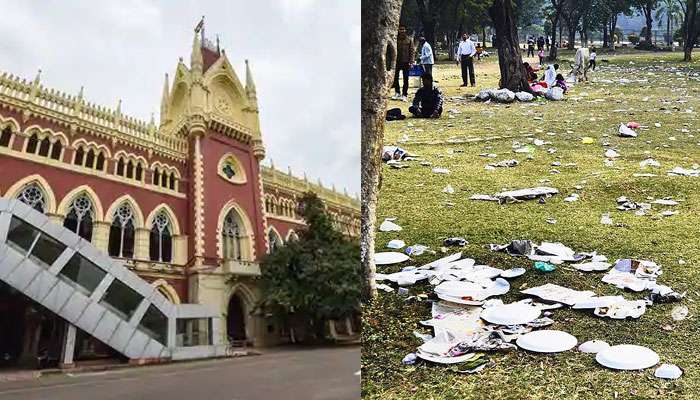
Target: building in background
(184,203)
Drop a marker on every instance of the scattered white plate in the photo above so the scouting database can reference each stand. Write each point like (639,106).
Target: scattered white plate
(547,341)
(627,357)
(510,314)
(389,257)
(513,272)
(593,346)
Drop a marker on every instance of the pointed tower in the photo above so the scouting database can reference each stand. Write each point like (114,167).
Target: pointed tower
(165,102)
(253,112)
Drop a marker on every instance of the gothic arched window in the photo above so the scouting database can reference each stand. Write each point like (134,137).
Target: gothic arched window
(231,237)
(274,240)
(45,147)
(5,137)
(100,162)
(56,150)
(161,242)
(80,216)
(33,196)
(121,233)
(32,144)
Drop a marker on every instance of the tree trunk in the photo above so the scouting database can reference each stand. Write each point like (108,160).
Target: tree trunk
(484,35)
(669,39)
(380,22)
(648,19)
(427,18)
(510,62)
(553,47)
(613,26)
(691,35)
(605,35)
(572,37)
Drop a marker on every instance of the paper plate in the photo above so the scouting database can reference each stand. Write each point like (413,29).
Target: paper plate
(546,341)
(445,359)
(593,346)
(389,257)
(513,272)
(510,314)
(627,357)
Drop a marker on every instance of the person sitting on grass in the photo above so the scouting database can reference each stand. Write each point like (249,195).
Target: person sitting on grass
(531,75)
(428,100)
(550,74)
(561,82)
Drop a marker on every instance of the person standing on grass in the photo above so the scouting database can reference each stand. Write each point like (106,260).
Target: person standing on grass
(465,53)
(591,62)
(426,56)
(540,54)
(530,47)
(428,100)
(405,56)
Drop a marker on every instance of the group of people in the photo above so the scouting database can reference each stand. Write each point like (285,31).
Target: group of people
(541,41)
(427,102)
(550,78)
(405,59)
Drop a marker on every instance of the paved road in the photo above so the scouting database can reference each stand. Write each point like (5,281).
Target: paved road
(315,374)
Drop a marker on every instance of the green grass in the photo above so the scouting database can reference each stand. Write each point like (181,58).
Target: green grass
(414,195)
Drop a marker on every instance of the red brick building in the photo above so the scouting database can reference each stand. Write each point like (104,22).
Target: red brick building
(184,202)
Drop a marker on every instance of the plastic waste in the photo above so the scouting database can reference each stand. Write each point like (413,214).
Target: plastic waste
(625,131)
(503,96)
(389,226)
(587,140)
(455,241)
(559,294)
(513,272)
(410,359)
(554,93)
(416,250)
(679,313)
(524,96)
(396,244)
(544,267)
(668,371)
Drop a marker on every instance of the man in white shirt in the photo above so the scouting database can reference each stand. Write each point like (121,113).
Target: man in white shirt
(465,54)
(550,75)
(426,56)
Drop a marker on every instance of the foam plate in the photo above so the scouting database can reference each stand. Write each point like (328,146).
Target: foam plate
(510,314)
(547,341)
(627,357)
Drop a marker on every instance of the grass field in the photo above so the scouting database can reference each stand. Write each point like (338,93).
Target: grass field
(669,94)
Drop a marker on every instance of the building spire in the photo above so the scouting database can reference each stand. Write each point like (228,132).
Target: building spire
(165,100)
(196,59)
(249,83)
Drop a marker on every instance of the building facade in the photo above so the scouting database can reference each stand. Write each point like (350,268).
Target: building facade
(184,203)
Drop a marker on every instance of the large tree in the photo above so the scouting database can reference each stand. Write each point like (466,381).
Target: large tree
(670,10)
(646,7)
(690,25)
(555,17)
(317,277)
(380,20)
(510,62)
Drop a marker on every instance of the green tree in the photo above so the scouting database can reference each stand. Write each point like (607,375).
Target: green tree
(672,12)
(317,277)
(647,8)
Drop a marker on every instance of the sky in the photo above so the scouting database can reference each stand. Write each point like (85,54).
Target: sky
(304,55)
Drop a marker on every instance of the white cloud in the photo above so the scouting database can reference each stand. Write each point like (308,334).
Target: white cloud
(304,55)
